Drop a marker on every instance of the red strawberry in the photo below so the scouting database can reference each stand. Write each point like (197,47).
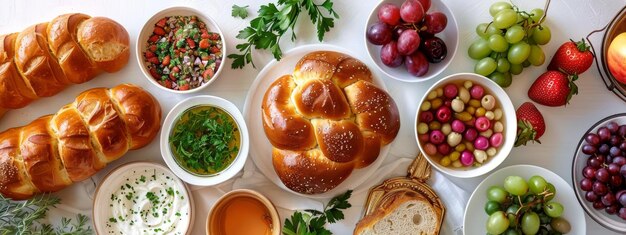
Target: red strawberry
(572,58)
(553,88)
(530,124)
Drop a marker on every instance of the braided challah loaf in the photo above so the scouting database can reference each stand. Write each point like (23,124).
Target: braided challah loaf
(325,120)
(45,58)
(56,150)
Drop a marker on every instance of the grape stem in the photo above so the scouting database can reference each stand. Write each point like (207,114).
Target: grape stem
(543,17)
(528,206)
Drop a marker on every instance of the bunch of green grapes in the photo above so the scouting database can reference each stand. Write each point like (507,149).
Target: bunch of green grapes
(509,43)
(524,207)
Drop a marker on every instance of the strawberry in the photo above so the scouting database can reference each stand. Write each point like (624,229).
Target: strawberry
(530,124)
(572,58)
(553,88)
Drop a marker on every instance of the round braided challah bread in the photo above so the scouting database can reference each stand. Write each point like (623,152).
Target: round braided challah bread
(325,120)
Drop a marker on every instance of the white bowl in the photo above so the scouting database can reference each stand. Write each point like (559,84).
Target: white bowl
(510,126)
(450,35)
(116,178)
(475,218)
(229,171)
(147,29)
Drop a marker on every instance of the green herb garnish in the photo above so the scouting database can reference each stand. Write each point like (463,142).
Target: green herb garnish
(241,12)
(202,139)
(22,217)
(312,221)
(267,29)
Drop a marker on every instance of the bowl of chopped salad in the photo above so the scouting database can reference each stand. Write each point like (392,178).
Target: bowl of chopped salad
(181,50)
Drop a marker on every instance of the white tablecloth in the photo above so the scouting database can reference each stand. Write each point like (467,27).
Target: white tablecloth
(565,125)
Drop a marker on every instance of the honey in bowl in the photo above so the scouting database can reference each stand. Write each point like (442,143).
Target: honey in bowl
(205,140)
(241,215)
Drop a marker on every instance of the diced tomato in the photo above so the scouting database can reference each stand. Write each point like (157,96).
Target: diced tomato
(215,49)
(191,43)
(153,38)
(166,60)
(168,84)
(175,69)
(154,74)
(153,60)
(207,74)
(215,36)
(184,87)
(159,31)
(150,54)
(173,76)
(205,35)
(204,43)
(152,48)
(162,22)
(183,50)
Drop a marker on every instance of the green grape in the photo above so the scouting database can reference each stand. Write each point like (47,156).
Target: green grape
(541,35)
(553,209)
(497,223)
(514,34)
(491,30)
(521,17)
(516,69)
(536,57)
(515,185)
(536,14)
(497,194)
(543,218)
(479,49)
(497,43)
(530,223)
(485,66)
(518,52)
(505,18)
(511,231)
(481,30)
(511,214)
(499,6)
(537,184)
(503,65)
(491,207)
(502,79)
(526,63)
(552,190)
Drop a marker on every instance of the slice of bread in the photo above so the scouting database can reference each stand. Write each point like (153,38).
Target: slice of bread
(405,214)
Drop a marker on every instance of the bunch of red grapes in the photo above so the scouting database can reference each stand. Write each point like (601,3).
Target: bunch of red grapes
(605,172)
(407,35)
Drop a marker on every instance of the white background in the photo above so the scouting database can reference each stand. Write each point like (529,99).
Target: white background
(565,125)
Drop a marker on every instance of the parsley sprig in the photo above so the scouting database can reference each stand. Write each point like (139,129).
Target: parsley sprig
(241,12)
(311,222)
(22,217)
(274,20)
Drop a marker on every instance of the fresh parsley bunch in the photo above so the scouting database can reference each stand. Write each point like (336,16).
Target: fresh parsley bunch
(311,222)
(273,22)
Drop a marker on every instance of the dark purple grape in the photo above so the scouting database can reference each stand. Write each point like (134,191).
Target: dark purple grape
(604,149)
(591,196)
(622,131)
(600,189)
(612,209)
(604,134)
(620,161)
(622,170)
(613,169)
(602,175)
(435,22)
(434,49)
(615,140)
(615,151)
(589,172)
(616,181)
(396,34)
(389,55)
(622,199)
(594,162)
(622,146)
(592,139)
(589,149)
(416,64)
(598,205)
(379,33)
(608,199)
(609,159)
(613,127)
(408,42)
(622,213)
(586,185)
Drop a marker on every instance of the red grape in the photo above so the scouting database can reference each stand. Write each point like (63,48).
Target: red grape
(408,42)
(379,33)
(390,14)
(435,22)
(592,139)
(396,33)
(434,49)
(416,64)
(411,11)
(425,4)
(586,184)
(389,55)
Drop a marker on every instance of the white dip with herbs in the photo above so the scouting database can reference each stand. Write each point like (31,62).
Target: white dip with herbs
(149,200)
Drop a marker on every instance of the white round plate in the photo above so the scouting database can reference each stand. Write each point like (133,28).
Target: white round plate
(260,146)
(118,177)
(475,218)
(450,35)
(225,174)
